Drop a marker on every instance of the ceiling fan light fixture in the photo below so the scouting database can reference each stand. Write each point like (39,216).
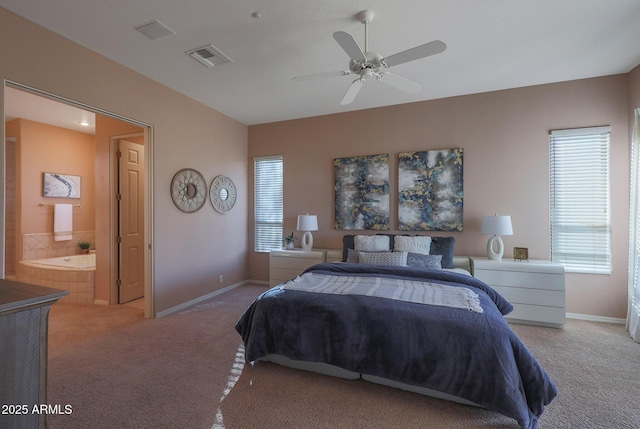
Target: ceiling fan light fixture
(368,63)
(366,73)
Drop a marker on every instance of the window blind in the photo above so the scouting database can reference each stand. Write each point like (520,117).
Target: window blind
(580,212)
(268,203)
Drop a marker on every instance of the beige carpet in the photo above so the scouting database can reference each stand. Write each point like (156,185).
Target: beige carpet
(118,370)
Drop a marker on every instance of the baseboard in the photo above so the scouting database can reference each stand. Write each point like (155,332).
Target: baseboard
(100,302)
(591,318)
(184,305)
(258,282)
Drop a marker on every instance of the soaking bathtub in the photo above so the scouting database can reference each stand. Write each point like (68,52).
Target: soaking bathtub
(74,273)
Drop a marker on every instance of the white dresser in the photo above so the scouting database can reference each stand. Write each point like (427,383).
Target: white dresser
(287,264)
(535,288)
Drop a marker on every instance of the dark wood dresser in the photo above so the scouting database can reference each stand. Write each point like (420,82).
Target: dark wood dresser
(24,318)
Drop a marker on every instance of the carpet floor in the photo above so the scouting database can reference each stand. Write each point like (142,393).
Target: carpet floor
(118,370)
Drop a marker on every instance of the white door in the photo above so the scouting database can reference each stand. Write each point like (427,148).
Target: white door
(131,221)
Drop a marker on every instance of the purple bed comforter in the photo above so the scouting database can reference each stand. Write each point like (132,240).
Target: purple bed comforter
(475,356)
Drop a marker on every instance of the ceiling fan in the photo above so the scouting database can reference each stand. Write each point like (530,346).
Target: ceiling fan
(367,64)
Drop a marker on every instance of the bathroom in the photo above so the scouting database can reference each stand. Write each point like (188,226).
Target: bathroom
(34,147)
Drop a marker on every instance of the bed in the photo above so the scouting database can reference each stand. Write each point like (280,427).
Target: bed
(436,331)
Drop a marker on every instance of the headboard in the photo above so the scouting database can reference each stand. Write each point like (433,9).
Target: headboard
(439,246)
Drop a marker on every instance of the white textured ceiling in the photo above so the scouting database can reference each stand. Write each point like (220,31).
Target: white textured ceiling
(491,45)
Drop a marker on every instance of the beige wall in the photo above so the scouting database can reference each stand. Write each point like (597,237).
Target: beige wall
(506,167)
(189,251)
(45,148)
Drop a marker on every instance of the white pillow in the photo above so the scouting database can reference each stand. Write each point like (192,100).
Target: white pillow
(383,258)
(371,243)
(418,244)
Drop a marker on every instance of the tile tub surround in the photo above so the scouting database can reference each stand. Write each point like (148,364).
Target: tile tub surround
(78,282)
(43,245)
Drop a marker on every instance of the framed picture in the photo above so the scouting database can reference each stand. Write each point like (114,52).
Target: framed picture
(362,192)
(430,190)
(521,253)
(61,185)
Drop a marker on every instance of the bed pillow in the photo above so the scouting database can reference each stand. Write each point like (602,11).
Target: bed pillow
(439,246)
(352,255)
(424,262)
(417,244)
(443,246)
(348,242)
(383,258)
(372,243)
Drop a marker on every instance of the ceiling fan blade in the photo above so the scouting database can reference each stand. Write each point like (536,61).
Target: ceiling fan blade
(353,90)
(321,75)
(400,83)
(418,52)
(350,46)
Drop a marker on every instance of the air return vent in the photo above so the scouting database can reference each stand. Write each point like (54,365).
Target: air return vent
(209,56)
(155,30)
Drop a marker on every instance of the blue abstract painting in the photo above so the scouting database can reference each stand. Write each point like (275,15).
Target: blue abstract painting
(61,185)
(362,192)
(430,191)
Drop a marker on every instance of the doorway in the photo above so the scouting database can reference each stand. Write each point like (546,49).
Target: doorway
(106,194)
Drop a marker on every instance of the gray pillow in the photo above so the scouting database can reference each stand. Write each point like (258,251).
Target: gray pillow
(383,258)
(443,246)
(424,262)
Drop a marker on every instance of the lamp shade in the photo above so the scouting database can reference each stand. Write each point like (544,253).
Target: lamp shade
(307,222)
(497,225)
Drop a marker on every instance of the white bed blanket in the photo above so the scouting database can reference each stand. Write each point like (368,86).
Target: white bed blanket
(401,290)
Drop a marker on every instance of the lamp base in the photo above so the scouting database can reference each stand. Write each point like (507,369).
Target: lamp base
(495,254)
(307,241)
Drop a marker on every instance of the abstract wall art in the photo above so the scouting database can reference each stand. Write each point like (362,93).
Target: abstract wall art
(362,192)
(61,185)
(430,191)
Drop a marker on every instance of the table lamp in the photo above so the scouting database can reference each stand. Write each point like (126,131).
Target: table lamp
(496,226)
(307,223)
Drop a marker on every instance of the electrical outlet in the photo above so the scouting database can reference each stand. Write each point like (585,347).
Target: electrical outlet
(221,279)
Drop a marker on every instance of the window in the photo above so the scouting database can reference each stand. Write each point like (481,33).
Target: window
(580,212)
(268,203)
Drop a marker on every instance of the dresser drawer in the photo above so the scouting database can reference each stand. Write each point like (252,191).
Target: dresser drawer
(537,314)
(515,295)
(535,289)
(279,275)
(521,279)
(288,264)
(299,264)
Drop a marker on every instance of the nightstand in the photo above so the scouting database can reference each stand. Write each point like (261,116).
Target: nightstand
(287,264)
(535,288)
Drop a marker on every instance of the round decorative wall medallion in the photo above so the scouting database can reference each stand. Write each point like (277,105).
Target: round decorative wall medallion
(222,194)
(188,190)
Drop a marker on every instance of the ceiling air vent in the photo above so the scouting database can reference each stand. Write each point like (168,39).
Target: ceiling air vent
(209,56)
(154,30)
